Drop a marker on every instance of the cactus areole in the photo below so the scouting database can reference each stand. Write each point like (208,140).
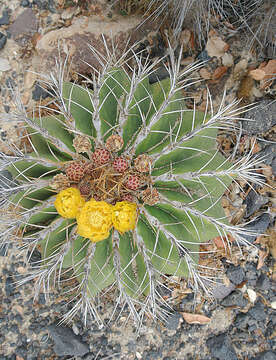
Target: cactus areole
(122,187)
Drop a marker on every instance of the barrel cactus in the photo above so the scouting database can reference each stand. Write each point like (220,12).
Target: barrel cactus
(119,185)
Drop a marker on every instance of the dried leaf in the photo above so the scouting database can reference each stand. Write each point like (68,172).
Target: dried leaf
(219,72)
(185,37)
(257,74)
(262,257)
(205,74)
(215,45)
(195,318)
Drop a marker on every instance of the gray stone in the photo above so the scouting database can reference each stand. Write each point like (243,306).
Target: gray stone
(173,321)
(3,40)
(5,18)
(221,291)
(66,342)
(260,119)
(39,93)
(254,202)
(6,180)
(256,227)
(235,274)
(273,165)
(234,299)
(257,312)
(268,153)
(266,355)
(221,347)
(24,27)
(263,282)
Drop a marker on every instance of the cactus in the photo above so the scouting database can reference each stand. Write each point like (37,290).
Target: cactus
(128,229)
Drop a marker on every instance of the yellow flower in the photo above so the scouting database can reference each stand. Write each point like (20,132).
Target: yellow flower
(124,216)
(95,220)
(69,202)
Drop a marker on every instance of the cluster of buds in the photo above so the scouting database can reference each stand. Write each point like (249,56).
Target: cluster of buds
(106,176)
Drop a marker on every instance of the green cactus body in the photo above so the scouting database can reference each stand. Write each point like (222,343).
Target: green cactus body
(187,172)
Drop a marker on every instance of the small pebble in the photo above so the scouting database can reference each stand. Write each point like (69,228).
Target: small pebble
(25,3)
(3,40)
(251,295)
(5,19)
(235,274)
(4,64)
(273,305)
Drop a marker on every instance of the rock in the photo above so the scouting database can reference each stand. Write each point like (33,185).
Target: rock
(257,227)
(269,154)
(75,40)
(9,286)
(25,3)
(5,19)
(235,274)
(273,165)
(254,202)
(263,283)
(257,312)
(260,119)
(172,322)
(3,40)
(234,299)
(4,64)
(45,5)
(66,342)
(221,291)
(220,347)
(160,74)
(241,321)
(273,305)
(24,27)
(6,180)
(203,56)
(39,93)
(251,295)
(266,355)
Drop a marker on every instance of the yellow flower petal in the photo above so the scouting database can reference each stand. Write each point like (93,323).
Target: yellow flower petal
(95,220)
(124,216)
(69,202)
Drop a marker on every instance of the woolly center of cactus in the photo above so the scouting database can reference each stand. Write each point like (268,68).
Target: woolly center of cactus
(109,177)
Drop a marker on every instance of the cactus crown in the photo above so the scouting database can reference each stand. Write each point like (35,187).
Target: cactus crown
(129,228)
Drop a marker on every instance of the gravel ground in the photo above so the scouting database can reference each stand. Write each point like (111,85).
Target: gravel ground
(243,315)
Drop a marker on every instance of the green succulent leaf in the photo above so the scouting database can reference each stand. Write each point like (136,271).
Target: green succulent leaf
(184,225)
(43,216)
(50,244)
(102,270)
(163,254)
(45,149)
(56,127)
(79,101)
(115,87)
(127,254)
(22,170)
(28,199)
(196,154)
(76,253)
(138,108)
(142,275)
